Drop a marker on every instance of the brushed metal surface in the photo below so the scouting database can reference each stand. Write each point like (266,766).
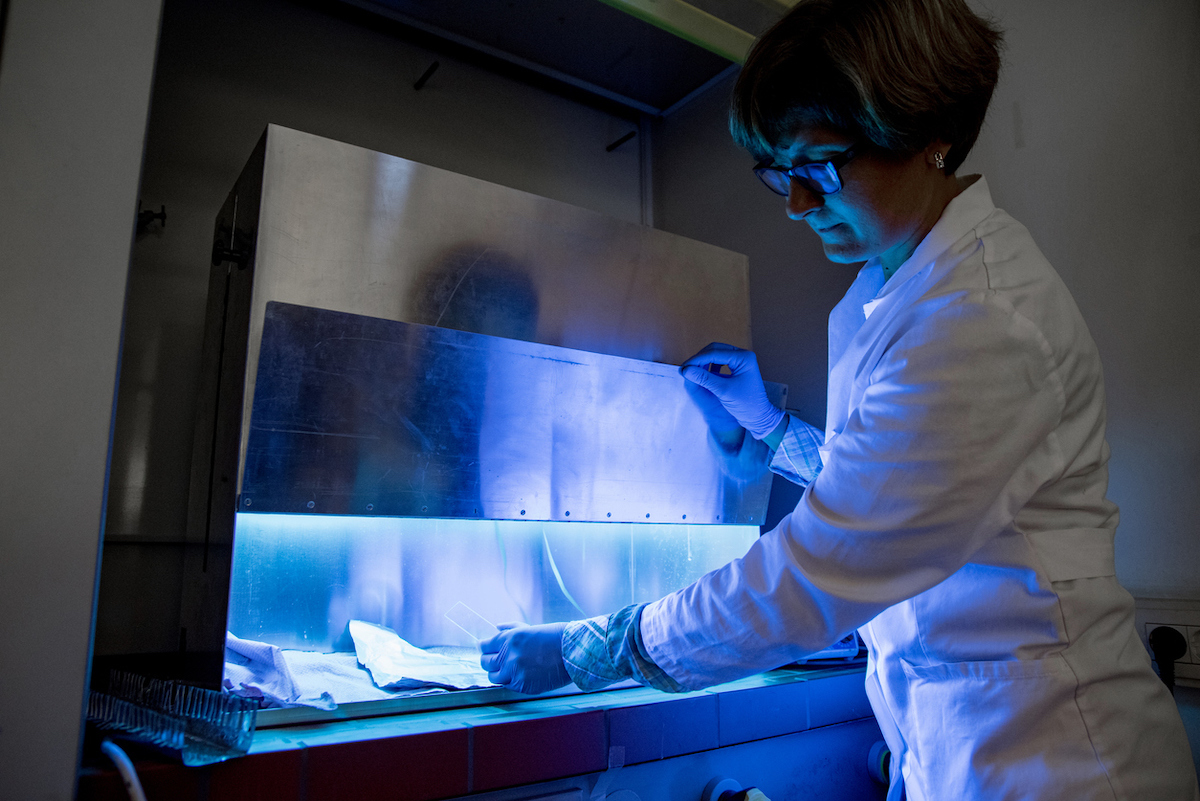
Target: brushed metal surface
(347,229)
(356,415)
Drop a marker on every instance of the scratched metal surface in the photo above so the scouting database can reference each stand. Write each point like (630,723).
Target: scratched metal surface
(356,415)
(344,228)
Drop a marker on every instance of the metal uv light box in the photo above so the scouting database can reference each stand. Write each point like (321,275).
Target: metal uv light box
(423,390)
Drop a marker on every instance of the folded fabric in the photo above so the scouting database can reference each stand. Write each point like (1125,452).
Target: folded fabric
(285,678)
(260,670)
(395,663)
(340,676)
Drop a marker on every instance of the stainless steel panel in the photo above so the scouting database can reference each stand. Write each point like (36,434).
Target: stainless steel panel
(347,229)
(355,415)
(317,223)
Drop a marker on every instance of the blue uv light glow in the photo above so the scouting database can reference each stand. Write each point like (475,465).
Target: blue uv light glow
(297,580)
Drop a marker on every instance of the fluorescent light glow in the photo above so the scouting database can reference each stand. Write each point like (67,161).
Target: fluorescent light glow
(298,579)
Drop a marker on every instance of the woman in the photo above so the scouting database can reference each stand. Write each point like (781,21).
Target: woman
(955,509)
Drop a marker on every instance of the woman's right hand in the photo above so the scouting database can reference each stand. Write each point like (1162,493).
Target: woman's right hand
(527,659)
(741,392)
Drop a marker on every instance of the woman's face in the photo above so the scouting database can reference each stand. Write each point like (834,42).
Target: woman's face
(886,205)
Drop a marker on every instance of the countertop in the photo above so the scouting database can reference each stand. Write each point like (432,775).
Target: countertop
(454,752)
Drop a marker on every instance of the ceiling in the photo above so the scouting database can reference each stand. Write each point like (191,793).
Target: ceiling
(650,55)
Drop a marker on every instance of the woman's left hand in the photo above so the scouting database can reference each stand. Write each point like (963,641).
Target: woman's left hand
(741,392)
(527,659)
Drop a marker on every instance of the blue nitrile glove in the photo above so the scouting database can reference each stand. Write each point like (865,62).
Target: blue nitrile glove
(527,659)
(727,431)
(742,392)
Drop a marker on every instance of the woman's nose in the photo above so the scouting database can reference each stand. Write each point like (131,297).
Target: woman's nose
(801,200)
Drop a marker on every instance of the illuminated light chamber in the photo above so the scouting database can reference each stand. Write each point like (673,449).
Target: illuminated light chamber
(299,580)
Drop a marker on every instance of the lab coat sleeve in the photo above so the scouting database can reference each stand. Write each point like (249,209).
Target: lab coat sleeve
(951,436)
(603,650)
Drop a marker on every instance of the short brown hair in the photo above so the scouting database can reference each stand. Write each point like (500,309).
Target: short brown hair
(896,73)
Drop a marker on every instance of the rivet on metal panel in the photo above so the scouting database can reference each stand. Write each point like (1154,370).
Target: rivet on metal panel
(424,509)
(567,514)
(247,502)
(647,515)
(684,517)
(522,511)
(311,504)
(610,514)
(370,507)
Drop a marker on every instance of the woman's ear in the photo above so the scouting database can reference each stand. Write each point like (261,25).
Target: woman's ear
(936,154)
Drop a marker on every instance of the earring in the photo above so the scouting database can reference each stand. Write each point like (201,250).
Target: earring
(938,161)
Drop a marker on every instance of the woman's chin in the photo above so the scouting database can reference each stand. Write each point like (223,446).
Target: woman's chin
(844,252)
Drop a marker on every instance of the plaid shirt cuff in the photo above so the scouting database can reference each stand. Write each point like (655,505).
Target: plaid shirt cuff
(607,649)
(798,459)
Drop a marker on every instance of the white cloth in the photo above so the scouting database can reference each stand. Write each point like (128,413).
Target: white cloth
(960,520)
(261,670)
(396,664)
(284,678)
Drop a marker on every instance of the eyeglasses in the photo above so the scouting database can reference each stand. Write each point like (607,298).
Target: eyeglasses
(818,177)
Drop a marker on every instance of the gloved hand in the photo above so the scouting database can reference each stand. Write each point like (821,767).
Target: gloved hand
(741,393)
(527,659)
(727,431)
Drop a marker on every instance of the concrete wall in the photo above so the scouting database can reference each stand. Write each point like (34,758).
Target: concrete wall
(72,119)
(1091,143)
(226,68)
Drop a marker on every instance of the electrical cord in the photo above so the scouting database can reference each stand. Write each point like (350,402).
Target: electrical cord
(125,767)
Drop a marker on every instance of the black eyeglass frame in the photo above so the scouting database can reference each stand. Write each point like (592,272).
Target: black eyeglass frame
(778,180)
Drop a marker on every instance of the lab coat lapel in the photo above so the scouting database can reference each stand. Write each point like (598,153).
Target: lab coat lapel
(874,298)
(845,322)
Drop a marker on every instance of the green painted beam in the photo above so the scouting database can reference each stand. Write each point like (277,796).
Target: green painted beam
(690,23)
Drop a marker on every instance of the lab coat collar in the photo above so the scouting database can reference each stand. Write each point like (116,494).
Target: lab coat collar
(967,210)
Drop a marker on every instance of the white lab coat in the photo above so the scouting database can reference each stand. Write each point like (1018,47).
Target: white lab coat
(960,522)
